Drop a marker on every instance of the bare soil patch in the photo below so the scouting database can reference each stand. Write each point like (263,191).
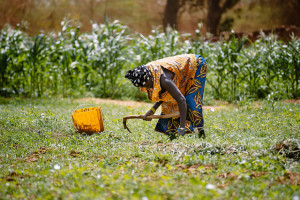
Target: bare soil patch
(33,157)
(295,101)
(292,178)
(132,103)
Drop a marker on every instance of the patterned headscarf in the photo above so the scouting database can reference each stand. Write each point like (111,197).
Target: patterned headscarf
(139,76)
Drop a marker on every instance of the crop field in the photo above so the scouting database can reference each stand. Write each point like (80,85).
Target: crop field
(71,63)
(251,151)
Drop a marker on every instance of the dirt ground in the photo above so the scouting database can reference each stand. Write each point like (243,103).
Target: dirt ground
(132,103)
(295,101)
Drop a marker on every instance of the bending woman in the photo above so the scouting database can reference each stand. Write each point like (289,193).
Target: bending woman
(177,84)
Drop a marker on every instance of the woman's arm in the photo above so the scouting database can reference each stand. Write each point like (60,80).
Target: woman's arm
(166,82)
(151,112)
(157,104)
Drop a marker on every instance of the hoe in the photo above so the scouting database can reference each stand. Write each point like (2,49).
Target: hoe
(149,117)
(200,130)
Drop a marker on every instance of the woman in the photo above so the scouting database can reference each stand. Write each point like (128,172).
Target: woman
(177,84)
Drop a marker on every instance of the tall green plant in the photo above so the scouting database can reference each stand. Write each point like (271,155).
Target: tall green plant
(252,69)
(13,76)
(219,72)
(158,45)
(107,56)
(270,70)
(232,52)
(36,56)
(226,68)
(289,64)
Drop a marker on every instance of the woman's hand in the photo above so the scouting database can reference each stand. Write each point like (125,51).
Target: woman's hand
(181,131)
(148,113)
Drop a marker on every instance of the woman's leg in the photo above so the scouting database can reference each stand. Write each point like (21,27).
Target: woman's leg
(194,97)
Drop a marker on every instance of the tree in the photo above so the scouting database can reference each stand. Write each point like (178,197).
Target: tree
(170,15)
(215,10)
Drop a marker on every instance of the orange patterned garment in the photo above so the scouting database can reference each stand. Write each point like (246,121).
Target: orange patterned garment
(184,67)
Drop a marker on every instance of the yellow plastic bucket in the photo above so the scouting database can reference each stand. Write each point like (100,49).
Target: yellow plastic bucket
(88,120)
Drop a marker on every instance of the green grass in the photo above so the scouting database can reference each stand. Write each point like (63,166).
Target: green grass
(43,158)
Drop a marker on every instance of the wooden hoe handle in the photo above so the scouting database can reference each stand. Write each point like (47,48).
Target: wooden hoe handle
(149,117)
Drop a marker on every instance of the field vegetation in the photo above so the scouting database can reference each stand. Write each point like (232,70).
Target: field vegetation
(252,148)
(93,64)
(251,152)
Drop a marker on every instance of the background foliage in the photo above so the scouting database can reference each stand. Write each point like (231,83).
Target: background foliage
(142,16)
(93,64)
